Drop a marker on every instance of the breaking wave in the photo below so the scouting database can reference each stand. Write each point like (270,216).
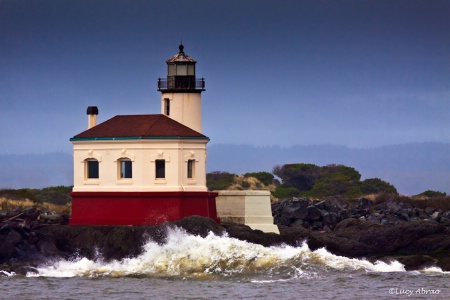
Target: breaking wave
(188,255)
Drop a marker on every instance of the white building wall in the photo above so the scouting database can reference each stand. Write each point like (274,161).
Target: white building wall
(185,108)
(143,154)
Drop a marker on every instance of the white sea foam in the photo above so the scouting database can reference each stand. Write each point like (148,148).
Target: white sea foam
(189,255)
(5,273)
(434,270)
(341,262)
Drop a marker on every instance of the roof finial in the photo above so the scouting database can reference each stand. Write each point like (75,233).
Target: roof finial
(181,47)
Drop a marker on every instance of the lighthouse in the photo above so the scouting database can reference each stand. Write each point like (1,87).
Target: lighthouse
(145,169)
(181,98)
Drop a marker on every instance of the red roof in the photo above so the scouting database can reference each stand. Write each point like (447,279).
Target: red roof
(139,127)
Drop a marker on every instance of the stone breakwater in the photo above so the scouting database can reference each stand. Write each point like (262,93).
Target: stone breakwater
(326,214)
(26,243)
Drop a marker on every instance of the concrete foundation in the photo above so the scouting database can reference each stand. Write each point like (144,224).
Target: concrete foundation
(251,208)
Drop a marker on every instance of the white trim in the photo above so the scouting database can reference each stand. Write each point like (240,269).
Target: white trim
(94,181)
(159,155)
(90,155)
(124,154)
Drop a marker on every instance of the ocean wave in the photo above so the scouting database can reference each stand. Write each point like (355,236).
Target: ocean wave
(194,256)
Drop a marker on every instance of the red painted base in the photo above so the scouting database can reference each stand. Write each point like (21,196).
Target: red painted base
(140,208)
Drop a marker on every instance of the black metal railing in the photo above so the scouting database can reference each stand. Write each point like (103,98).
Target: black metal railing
(181,83)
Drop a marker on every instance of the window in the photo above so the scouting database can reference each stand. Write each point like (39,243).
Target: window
(160,166)
(191,70)
(167,106)
(91,168)
(190,168)
(182,70)
(125,168)
(172,70)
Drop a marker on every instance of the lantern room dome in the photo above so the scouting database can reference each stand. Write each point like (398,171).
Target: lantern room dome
(181,57)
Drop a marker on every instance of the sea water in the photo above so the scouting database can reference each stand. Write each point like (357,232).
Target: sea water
(219,267)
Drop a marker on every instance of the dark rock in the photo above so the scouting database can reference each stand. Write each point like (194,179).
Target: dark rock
(47,247)
(8,244)
(393,207)
(313,213)
(245,233)
(429,243)
(285,220)
(297,223)
(317,225)
(430,210)
(444,221)
(403,215)
(327,229)
(390,219)
(446,215)
(24,245)
(373,219)
(336,202)
(197,225)
(24,270)
(364,203)
(344,214)
(414,262)
(295,211)
(387,238)
(436,215)
(306,225)
(330,219)
(321,205)
(420,213)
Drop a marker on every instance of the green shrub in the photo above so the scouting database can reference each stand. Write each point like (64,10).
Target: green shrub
(376,186)
(301,176)
(219,180)
(285,192)
(430,193)
(334,184)
(264,177)
(55,194)
(315,181)
(19,194)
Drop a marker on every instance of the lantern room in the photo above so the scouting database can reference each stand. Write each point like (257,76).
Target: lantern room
(181,74)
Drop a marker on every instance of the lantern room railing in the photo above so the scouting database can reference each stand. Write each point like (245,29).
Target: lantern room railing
(181,83)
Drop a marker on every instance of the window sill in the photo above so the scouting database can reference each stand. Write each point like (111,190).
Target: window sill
(124,181)
(192,181)
(91,182)
(160,181)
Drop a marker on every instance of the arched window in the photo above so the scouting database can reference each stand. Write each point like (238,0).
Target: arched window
(125,168)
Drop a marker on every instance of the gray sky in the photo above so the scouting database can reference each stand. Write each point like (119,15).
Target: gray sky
(355,73)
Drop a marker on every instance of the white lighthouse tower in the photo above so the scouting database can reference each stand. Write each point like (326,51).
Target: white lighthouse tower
(181,98)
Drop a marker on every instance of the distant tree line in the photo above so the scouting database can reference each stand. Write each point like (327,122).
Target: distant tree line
(294,180)
(309,180)
(59,195)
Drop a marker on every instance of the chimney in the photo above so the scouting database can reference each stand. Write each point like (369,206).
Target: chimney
(92,112)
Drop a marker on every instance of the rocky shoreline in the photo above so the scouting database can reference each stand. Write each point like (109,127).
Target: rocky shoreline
(326,213)
(358,230)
